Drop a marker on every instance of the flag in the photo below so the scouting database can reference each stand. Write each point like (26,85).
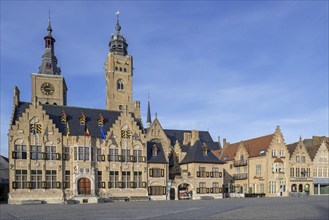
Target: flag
(102,133)
(87,132)
(67,130)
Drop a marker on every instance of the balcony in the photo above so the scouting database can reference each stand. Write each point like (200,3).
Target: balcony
(240,176)
(240,163)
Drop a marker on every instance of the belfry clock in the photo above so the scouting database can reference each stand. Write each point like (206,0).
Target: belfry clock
(47,88)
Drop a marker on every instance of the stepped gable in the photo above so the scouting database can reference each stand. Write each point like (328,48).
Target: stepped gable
(178,135)
(195,155)
(19,110)
(253,146)
(291,148)
(160,158)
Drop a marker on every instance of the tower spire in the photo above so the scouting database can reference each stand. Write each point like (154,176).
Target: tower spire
(149,120)
(117,26)
(118,44)
(49,29)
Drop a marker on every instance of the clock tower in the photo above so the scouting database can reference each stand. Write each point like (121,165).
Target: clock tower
(119,73)
(48,86)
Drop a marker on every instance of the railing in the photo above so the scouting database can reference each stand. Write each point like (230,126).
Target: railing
(239,163)
(240,176)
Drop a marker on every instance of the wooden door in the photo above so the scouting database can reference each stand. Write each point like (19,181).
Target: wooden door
(84,186)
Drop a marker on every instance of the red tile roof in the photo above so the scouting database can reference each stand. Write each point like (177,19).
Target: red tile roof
(253,146)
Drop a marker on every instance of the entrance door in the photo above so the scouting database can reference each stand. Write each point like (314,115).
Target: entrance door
(172,194)
(84,186)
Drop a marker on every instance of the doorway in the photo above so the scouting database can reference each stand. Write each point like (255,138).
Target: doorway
(84,186)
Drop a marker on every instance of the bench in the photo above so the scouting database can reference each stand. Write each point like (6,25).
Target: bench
(119,199)
(139,198)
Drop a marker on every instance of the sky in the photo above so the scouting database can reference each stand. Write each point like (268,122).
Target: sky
(236,69)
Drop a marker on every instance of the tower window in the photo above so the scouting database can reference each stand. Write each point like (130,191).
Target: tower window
(120,69)
(116,68)
(120,85)
(124,70)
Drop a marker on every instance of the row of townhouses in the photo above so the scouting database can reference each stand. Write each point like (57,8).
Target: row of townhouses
(60,153)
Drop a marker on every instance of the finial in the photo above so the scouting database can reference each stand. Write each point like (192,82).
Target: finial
(117,27)
(156,115)
(49,29)
(300,138)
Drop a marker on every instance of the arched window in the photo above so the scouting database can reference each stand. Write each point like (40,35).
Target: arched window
(120,85)
(116,68)
(120,69)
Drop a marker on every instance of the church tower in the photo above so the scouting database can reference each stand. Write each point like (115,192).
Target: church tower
(118,73)
(48,86)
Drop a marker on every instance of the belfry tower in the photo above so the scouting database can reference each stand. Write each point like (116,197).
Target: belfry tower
(118,73)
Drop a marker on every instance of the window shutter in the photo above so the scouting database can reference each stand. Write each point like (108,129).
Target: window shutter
(164,190)
(211,174)
(143,158)
(103,158)
(151,173)
(198,174)
(149,190)
(119,157)
(43,156)
(144,184)
(14,185)
(103,184)
(220,174)
(207,190)
(162,172)
(58,185)
(109,184)
(211,190)
(132,159)
(13,154)
(58,156)
(44,185)
(207,174)
(197,190)
(220,190)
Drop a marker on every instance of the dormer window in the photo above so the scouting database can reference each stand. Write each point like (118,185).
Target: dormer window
(205,151)
(261,152)
(155,150)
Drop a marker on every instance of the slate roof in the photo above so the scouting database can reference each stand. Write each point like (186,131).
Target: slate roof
(291,148)
(195,155)
(73,114)
(253,146)
(312,145)
(160,158)
(178,135)
(5,158)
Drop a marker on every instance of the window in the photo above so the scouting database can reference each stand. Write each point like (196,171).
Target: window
(315,173)
(83,153)
(20,151)
(99,154)
(273,153)
(92,155)
(215,187)
(114,155)
(21,179)
(261,152)
(155,150)
(277,168)
(124,70)
(138,156)
(36,177)
(303,172)
(324,172)
(125,179)
(292,172)
(202,187)
(156,172)
(303,159)
(202,172)
(51,152)
(125,155)
(297,159)
(261,188)
(120,67)
(35,152)
(114,179)
(215,172)
(51,179)
(320,172)
(120,85)
(272,187)
(66,153)
(297,172)
(116,68)
(157,190)
(258,169)
(281,153)
(205,151)
(67,179)
(99,179)
(138,179)
(242,157)
(282,186)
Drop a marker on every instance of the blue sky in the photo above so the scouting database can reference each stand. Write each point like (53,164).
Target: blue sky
(235,68)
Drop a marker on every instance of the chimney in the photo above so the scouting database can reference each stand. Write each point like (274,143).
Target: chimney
(187,138)
(16,96)
(195,136)
(225,143)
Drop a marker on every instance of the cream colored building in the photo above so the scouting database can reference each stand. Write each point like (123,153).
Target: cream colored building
(60,153)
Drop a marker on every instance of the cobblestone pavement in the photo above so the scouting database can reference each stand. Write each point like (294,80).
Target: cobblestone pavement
(248,208)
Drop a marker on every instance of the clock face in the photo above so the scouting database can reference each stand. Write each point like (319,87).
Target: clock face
(47,88)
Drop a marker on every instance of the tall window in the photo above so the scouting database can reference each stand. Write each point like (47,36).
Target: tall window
(114,179)
(120,85)
(66,153)
(325,173)
(21,178)
(83,153)
(273,153)
(99,154)
(51,179)
(114,155)
(215,187)
(125,155)
(156,190)
(138,179)
(138,155)
(315,173)
(35,152)
(202,172)
(36,177)
(281,153)
(51,152)
(258,169)
(320,172)
(92,155)
(202,187)
(20,151)
(282,186)
(297,159)
(297,172)
(67,179)
(156,172)
(302,159)
(125,179)
(99,179)
(261,188)
(272,187)
(215,172)
(292,172)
